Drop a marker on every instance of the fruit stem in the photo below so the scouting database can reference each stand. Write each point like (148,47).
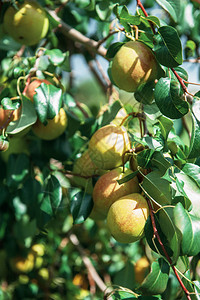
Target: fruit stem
(156,235)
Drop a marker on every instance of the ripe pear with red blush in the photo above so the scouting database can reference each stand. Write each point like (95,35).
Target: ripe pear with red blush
(107,190)
(127,217)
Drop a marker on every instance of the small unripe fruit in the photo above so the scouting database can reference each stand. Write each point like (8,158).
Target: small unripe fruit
(141,269)
(133,65)
(27,25)
(107,146)
(53,129)
(107,190)
(30,92)
(126,218)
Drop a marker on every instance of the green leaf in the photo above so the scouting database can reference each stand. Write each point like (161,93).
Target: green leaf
(167,225)
(124,277)
(168,100)
(144,158)
(189,227)
(110,113)
(159,162)
(165,125)
(126,19)
(192,171)
(27,118)
(168,48)
(194,150)
(156,281)
(80,206)
(157,188)
(7,103)
(17,169)
(55,56)
(145,93)
(103,9)
(112,50)
(127,178)
(190,189)
(52,196)
(47,101)
(172,7)
(122,295)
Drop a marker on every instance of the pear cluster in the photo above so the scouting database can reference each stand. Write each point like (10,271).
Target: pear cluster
(121,205)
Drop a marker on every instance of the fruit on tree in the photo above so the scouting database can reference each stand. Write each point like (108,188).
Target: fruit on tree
(107,146)
(8,115)
(30,92)
(126,218)
(141,269)
(133,65)
(22,264)
(54,128)
(84,166)
(27,25)
(107,190)
(16,146)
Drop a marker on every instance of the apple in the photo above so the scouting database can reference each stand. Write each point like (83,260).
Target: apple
(133,65)
(27,25)
(30,92)
(126,218)
(107,190)
(107,146)
(54,128)
(141,269)
(84,166)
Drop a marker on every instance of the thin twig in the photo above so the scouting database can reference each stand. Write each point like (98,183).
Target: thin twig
(91,270)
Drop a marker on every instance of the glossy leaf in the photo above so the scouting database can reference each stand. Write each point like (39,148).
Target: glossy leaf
(192,171)
(172,7)
(156,281)
(157,188)
(27,118)
(190,189)
(112,50)
(110,113)
(7,103)
(80,206)
(165,125)
(47,101)
(189,227)
(194,150)
(126,19)
(168,100)
(55,56)
(168,48)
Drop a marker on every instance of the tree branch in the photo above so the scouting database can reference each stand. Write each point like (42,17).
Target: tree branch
(75,35)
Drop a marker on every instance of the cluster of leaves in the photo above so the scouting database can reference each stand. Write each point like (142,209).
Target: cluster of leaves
(38,202)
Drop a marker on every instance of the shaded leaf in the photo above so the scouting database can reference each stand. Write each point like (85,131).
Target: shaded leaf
(156,281)
(168,48)
(17,169)
(80,206)
(112,50)
(194,150)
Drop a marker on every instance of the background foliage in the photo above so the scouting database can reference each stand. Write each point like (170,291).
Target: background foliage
(39,202)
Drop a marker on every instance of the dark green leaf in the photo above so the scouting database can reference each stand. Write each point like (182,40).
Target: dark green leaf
(127,178)
(81,205)
(168,100)
(145,93)
(156,281)
(189,227)
(144,158)
(126,19)
(17,169)
(124,277)
(112,50)
(165,125)
(110,113)
(168,48)
(47,101)
(194,150)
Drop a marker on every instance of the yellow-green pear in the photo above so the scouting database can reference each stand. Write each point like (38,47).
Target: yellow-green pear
(126,218)
(133,65)
(107,190)
(28,24)
(107,146)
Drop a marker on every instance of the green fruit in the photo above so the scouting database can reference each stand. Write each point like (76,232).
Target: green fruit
(133,65)
(126,218)
(16,146)
(107,190)
(107,146)
(27,25)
